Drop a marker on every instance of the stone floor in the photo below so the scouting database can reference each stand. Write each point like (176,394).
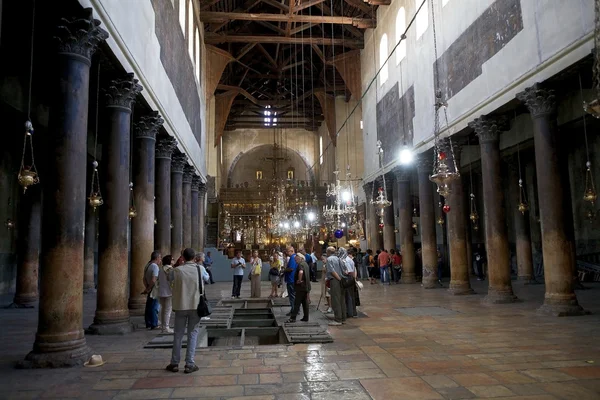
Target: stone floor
(412,344)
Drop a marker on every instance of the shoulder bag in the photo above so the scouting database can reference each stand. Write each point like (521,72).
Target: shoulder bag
(203,308)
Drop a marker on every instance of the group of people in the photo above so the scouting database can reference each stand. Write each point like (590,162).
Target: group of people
(178,288)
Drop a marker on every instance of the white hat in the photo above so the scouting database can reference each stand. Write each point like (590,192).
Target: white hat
(94,361)
(359,284)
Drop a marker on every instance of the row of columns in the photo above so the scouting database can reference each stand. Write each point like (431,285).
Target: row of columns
(165,187)
(555,216)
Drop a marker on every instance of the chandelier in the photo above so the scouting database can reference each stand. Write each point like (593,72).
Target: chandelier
(381,201)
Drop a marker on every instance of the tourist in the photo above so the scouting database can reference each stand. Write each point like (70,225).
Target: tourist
(384,259)
(274,274)
(479,256)
(290,270)
(151,290)
(396,265)
(301,289)
(349,268)
(187,288)
(164,289)
(208,262)
(238,264)
(325,284)
(313,267)
(370,262)
(338,295)
(255,272)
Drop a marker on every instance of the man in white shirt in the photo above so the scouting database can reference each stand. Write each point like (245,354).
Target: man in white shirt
(187,288)
(150,281)
(238,264)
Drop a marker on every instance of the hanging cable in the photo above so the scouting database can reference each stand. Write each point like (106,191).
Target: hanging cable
(95,199)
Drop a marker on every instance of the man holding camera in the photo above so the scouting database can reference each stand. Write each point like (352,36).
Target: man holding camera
(238,264)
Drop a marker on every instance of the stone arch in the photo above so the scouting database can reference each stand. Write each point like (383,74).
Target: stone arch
(268,148)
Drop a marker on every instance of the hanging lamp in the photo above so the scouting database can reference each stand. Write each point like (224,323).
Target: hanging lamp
(95,199)
(28,174)
(444,171)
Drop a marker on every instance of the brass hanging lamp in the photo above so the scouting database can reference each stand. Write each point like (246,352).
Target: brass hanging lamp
(95,199)
(132,210)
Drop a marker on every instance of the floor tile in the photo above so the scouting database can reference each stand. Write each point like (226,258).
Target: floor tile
(399,388)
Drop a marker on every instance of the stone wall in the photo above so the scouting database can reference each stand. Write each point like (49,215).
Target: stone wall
(147,39)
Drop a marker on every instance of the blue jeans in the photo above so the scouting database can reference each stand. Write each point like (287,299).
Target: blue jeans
(190,319)
(151,312)
(291,294)
(384,274)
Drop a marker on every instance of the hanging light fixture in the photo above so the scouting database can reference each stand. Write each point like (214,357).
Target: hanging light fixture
(473,216)
(589,194)
(95,199)
(132,210)
(28,174)
(443,174)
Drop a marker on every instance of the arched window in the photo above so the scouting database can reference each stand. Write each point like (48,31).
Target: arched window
(400,28)
(422,17)
(190,36)
(182,15)
(198,55)
(383,53)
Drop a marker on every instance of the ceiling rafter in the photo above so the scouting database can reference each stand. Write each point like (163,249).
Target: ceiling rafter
(216,16)
(323,41)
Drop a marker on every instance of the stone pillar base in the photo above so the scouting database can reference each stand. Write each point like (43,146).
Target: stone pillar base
(26,300)
(72,357)
(137,306)
(430,284)
(562,308)
(460,288)
(408,278)
(499,297)
(116,328)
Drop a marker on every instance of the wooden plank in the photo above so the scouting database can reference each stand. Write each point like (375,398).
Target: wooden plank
(211,38)
(218,16)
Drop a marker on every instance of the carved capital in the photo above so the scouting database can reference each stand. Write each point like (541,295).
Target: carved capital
(488,128)
(80,34)
(148,126)
(178,161)
(401,174)
(188,173)
(195,183)
(452,150)
(121,92)
(165,147)
(368,188)
(424,163)
(539,100)
(202,189)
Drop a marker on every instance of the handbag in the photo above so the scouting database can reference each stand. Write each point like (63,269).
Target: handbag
(348,282)
(203,308)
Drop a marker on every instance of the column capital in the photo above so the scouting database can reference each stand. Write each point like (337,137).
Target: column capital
(178,161)
(195,183)
(202,188)
(401,174)
(121,92)
(424,162)
(452,151)
(147,126)
(165,147)
(80,34)
(488,128)
(188,173)
(539,100)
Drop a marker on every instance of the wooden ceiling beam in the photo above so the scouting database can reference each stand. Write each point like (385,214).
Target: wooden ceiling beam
(307,4)
(215,16)
(208,4)
(354,31)
(360,4)
(250,4)
(323,41)
(308,127)
(283,120)
(245,50)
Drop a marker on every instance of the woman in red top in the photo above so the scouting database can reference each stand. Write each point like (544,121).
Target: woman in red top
(396,265)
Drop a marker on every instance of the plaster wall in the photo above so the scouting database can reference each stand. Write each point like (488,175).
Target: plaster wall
(131,25)
(238,142)
(554,35)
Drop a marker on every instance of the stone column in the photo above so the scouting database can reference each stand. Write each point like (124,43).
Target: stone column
(496,236)
(405,206)
(427,222)
(28,247)
(389,222)
(162,206)
(202,215)
(142,226)
(188,173)
(457,236)
(60,340)
(522,232)
(112,312)
(195,217)
(89,249)
(177,164)
(557,246)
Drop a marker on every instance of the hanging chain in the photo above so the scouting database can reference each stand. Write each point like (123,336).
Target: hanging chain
(596,67)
